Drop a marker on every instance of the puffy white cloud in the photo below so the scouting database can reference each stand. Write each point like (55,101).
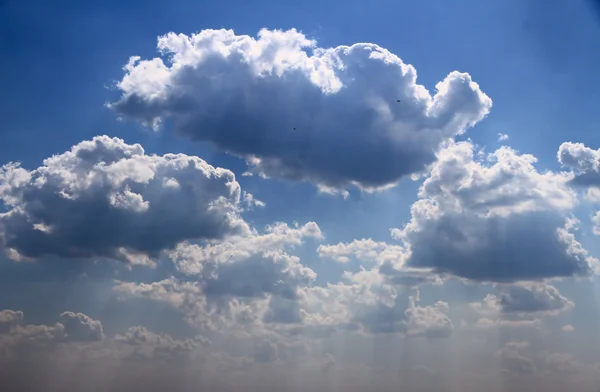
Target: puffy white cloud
(170,291)
(532,298)
(365,302)
(72,327)
(30,336)
(390,259)
(80,327)
(568,328)
(494,218)
(255,266)
(182,295)
(147,343)
(9,319)
(106,198)
(297,111)
(489,306)
(363,250)
(596,223)
(584,161)
(368,302)
(192,259)
(523,299)
(502,137)
(429,321)
(520,306)
(585,164)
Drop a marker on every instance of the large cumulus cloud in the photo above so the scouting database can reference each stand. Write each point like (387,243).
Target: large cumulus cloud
(494,218)
(107,198)
(297,111)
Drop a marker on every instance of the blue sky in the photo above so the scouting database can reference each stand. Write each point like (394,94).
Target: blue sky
(506,231)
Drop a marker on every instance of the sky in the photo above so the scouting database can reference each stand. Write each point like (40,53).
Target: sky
(328,196)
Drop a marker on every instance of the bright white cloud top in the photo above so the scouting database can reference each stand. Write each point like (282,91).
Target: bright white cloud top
(297,111)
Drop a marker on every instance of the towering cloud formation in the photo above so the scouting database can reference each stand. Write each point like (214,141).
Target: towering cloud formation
(297,111)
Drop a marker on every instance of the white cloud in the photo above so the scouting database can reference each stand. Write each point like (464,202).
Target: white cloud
(584,160)
(191,259)
(596,223)
(523,299)
(9,319)
(106,198)
(486,323)
(80,327)
(297,111)
(497,219)
(585,164)
(513,361)
(363,250)
(519,306)
(243,282)
(390,259)
(368,302)
(73,327)
(502,137)
(488,306)
(532,298)
(149,343)
(429,321)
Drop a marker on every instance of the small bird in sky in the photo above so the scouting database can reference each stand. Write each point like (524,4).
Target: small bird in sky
(398,100)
